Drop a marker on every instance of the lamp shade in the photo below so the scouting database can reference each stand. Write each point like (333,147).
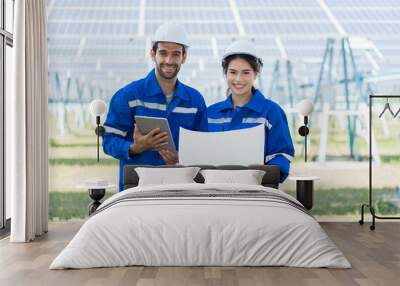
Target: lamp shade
(98,107)
(305,107)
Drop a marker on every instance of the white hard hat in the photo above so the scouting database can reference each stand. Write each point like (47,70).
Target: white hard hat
(171,32)
(241,47)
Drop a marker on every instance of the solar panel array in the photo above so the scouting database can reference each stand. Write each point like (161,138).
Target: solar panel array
(106,43)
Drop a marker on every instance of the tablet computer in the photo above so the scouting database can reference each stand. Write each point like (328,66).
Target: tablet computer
(148,123)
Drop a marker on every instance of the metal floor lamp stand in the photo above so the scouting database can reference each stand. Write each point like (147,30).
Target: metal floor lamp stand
(369,205)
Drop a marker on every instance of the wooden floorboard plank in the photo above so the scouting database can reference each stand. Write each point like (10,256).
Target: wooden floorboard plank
(374,255)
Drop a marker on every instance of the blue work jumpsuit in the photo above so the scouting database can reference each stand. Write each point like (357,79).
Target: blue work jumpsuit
(145,97)
(278,150)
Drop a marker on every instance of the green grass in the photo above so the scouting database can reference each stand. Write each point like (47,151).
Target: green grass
(74,205)
(348,201)
(54,144)
(69,205)
(390,159)
(387,159)
(82,161)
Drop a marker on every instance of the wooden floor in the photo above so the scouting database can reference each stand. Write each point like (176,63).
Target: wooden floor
(374,255)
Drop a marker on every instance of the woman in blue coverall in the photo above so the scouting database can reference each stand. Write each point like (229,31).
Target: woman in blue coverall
(247,107)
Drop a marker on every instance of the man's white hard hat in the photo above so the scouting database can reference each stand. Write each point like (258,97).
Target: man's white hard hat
(241,47)
(171,32)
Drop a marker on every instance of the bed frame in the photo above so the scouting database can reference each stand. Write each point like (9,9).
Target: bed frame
(270,179)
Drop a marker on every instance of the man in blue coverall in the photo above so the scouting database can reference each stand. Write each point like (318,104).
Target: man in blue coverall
(159,94)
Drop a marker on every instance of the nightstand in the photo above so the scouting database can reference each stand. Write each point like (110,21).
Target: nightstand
(96,190)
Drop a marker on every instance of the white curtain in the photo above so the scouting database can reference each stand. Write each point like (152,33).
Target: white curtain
(27,149)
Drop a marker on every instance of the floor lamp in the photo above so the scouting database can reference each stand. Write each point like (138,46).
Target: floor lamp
(97,108)
(305,108)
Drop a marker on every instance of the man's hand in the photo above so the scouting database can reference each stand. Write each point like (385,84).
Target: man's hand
(155,139)
(170,158)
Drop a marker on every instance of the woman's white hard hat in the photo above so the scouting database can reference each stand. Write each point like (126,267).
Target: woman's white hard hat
(171,32)
(241,47)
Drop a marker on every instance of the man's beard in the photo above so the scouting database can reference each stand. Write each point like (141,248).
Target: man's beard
(167,76)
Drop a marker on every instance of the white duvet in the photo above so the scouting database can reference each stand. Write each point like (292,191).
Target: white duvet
(200,231)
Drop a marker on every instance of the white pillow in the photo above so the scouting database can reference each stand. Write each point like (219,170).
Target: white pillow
(165,176)
(248,177)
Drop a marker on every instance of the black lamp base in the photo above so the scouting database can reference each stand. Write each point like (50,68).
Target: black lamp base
(305,193)
(96,195)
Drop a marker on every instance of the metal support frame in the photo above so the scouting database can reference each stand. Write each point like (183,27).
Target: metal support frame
(350,118)
(64,101)
(350,78)
(275,79)
(292,90)
(328,54)
(80,87)
(260,82)
(369,205)
(292,87)
(61,100)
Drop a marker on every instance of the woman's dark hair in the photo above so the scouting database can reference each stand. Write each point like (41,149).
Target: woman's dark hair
(255,63)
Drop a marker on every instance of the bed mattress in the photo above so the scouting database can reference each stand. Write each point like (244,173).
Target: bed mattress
(201,225)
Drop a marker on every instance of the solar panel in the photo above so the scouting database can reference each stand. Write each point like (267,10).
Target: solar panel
(188,3)
(51,42)
(372,28)
(77,14)
(305,53)
(112,52)
(368,15)
(188,15)
(280,15)
(199,28)
(276,3)
(107,42)
(362,3)
(275,28)
(64,52)
(96,3)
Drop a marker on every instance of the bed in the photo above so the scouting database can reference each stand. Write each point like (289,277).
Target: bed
(201,224)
